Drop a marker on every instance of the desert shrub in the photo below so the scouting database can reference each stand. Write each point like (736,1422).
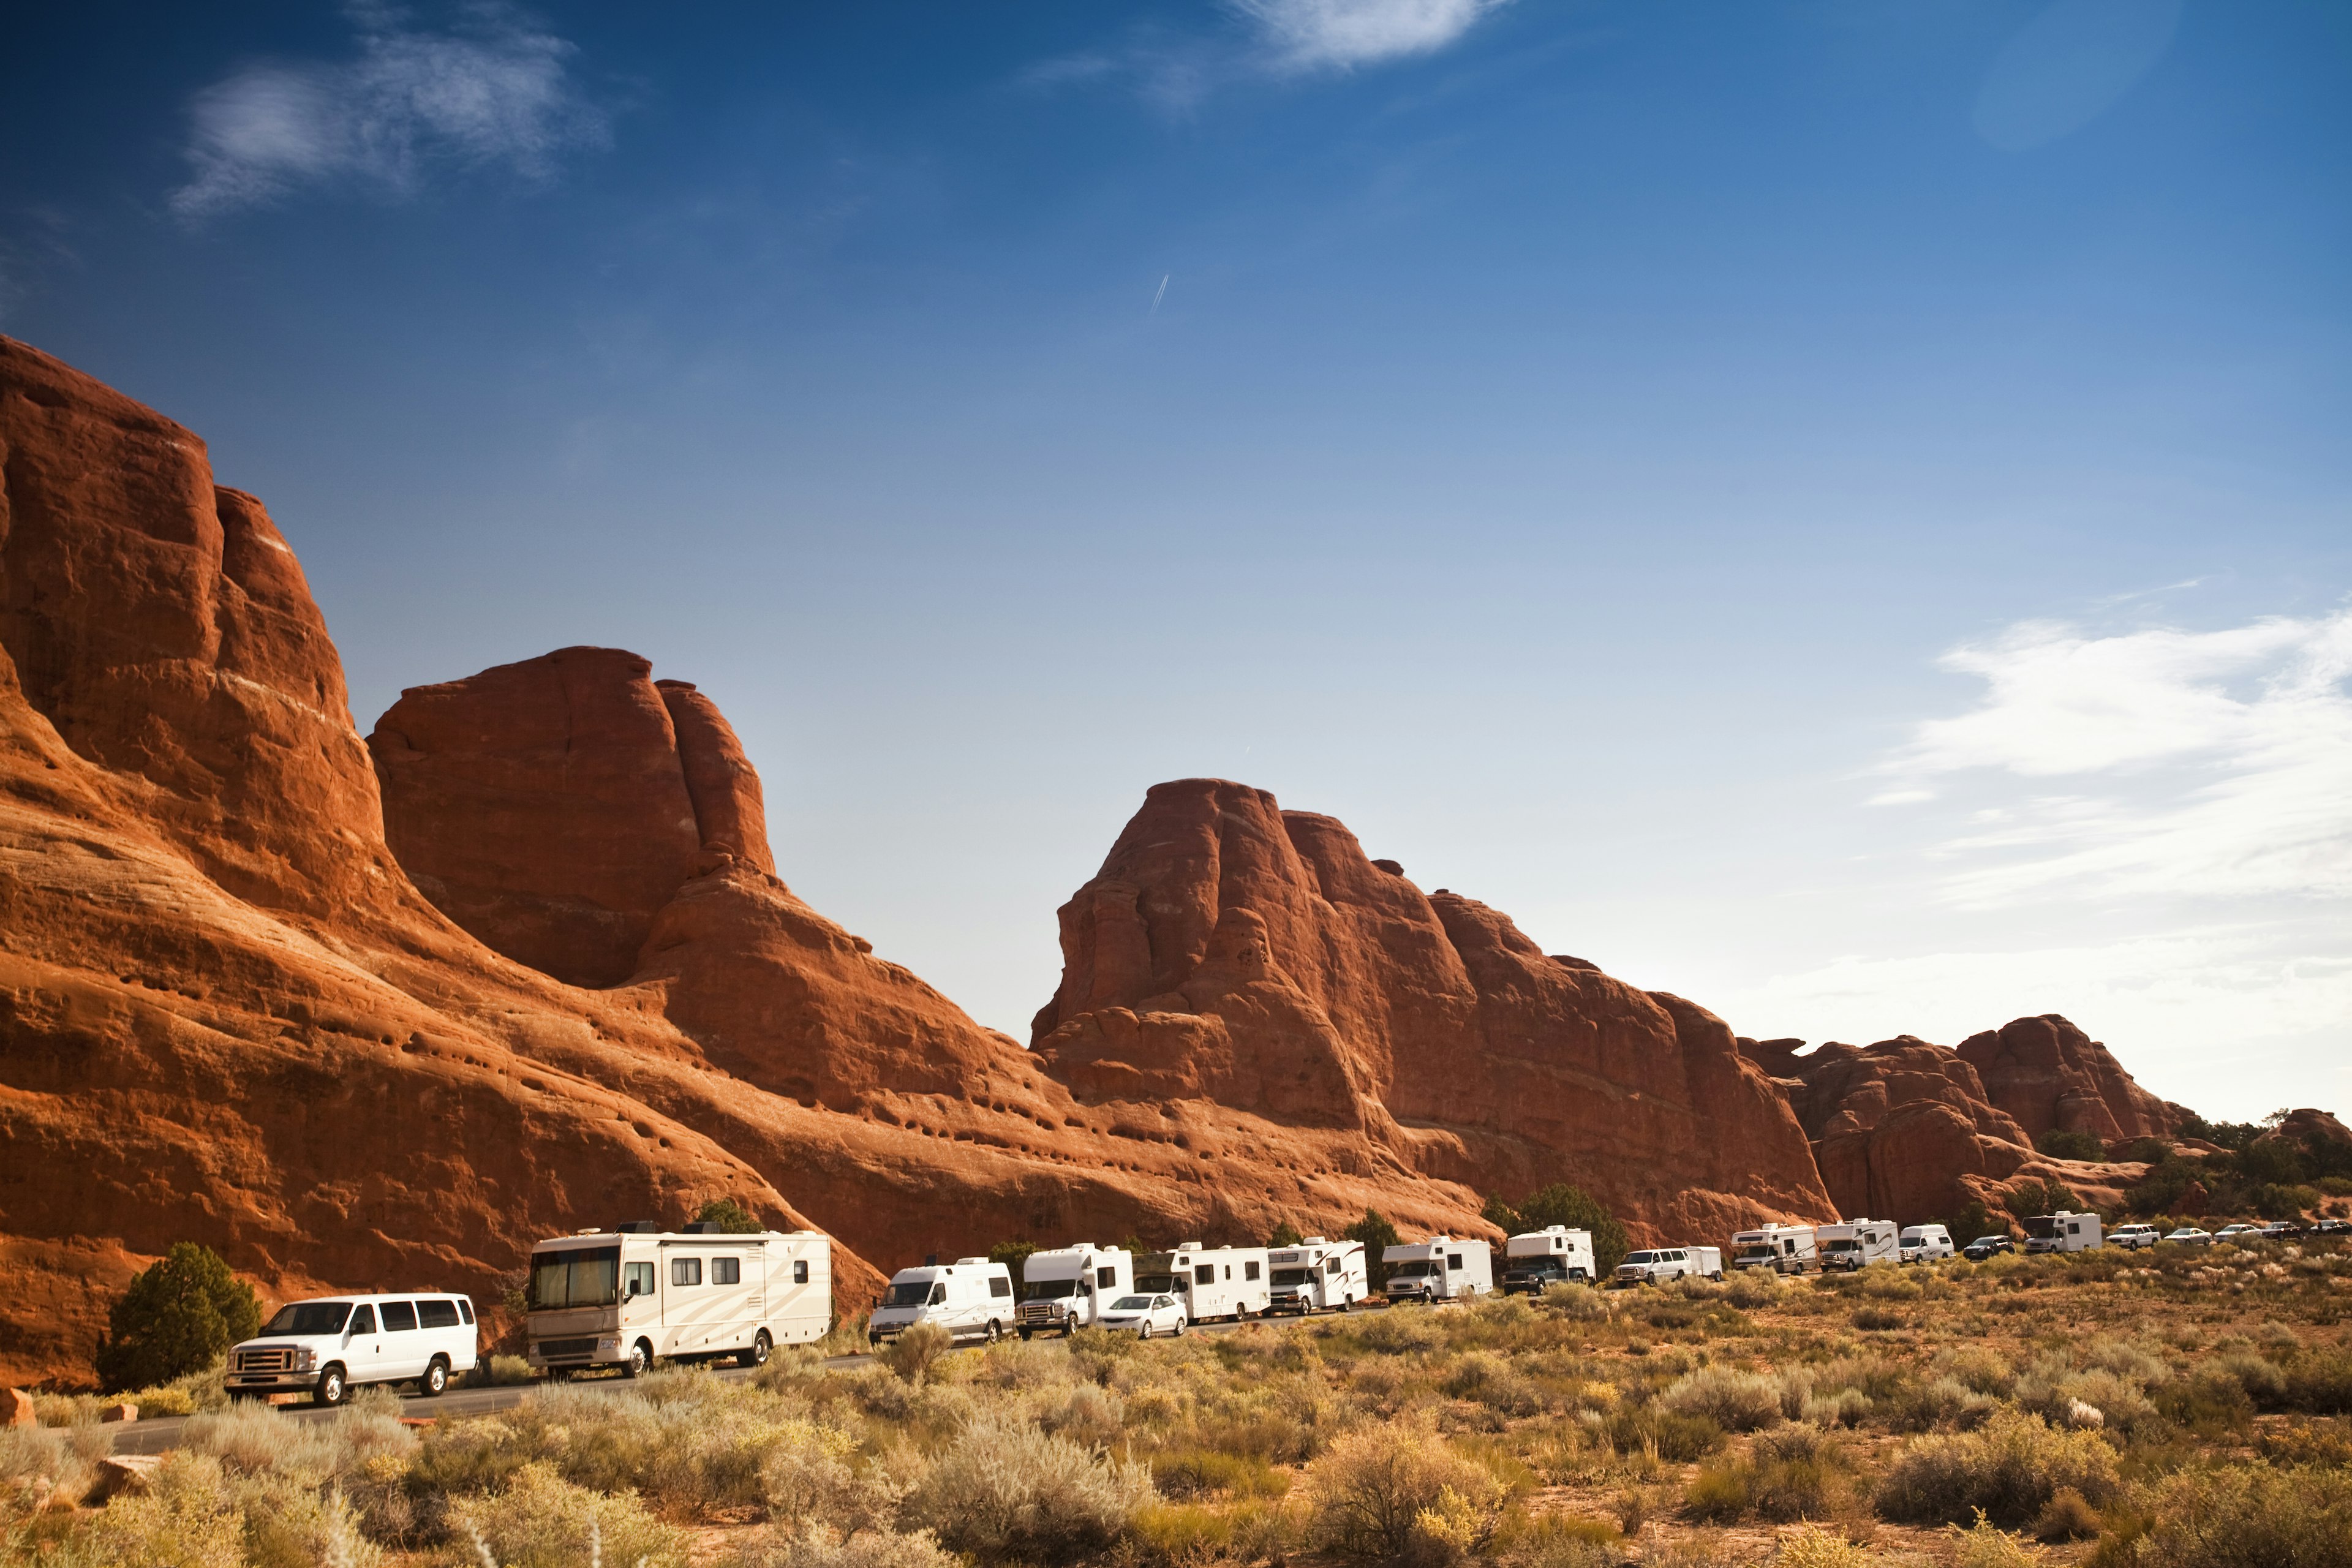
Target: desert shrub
(1003,1491)
(1735,1401)
(1676,1439)
(812,1545)
(186,1516)
(1372,1488)
(2209,1404)
(728,1216)
(1983,1546)
(1718,1493)
(38,1463)
(1944,1403)
(1878,1318)
(2120,1404)
(814,1480)
(1976,1369)
(1840,1407)
(253,1440)
(1492,1380)
(178,1316)
(1202,1473)
(1403,1331)
(1578,1303)
(2252,1516)
(1791,1474)
(538,1520)
(2067,1516)
(2304,1444)
(1558,1540)
(2009,1469)
(910,1355)
(2320,1382)
(504,1370)
(1817,1548)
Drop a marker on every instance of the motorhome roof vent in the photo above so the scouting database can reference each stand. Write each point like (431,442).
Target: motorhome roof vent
(1313,1241)
(983,1261)
(639,1227)
(699,1227)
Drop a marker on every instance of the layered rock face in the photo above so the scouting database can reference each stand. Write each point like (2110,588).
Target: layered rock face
(2050,1077)
(1231,950)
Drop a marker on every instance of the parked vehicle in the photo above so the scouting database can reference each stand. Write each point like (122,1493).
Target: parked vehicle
(1547,1256)
(2331,1227)
(1924,1244)
(1783,1248)
(1070,1286)
(2190,1235)
(1212,1281)
(1856,1243)
(331,1345)
(971,1299)
(1984,1246)
(2133,1236)
(1146,1315)
(2283,1230)
(1657,1265)
(637,1293)
(1318,1276)
(2064,1231)
(1442,1269)
(2238,1232)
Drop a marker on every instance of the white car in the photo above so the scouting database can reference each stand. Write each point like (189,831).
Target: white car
(327,1348)
(2190,1235)
(2238,1232)
(1144,1316)
(2133,1236)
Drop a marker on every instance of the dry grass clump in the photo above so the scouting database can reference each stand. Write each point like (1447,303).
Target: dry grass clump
(1008,1493)
(538,1520)
(1384,1491)
(1735,1401)
(910,1355)
(2243,1516)
(1795,1473)
(2008,1470)
(1577,1303)
(820,1546)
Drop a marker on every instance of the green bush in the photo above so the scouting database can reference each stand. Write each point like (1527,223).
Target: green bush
(1735,1401)
(1378,1235)
(538,1520)
(179,1315)
(731,1217)
(1678,1438)
(2321,1383)
(1560,1204)
(1373,1490)
(2062,1144)
(2008,1470)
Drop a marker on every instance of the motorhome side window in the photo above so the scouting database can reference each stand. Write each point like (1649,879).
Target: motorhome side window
(640,1279)
(1331,1266)
(399,1317)
(1454,1260)
(363,1319)
(995,1287)
(939,1296)
(1206,1274)
(1106,1278)
(1249,1269)
(726,1271)
(800,1271)
(686,1271)
(436,1314)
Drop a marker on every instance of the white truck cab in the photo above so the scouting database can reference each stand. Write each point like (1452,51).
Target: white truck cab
(1857,1244)
(1535,1258)
(1318,1276)
(1657,1265)
(1924,1244)
(2135,1237)
(971,1299)
(1071,1286)
(1210,1281)
(1442,1269)
(636,1293)
(1783,1248)
(332,1345)
(2064,1231)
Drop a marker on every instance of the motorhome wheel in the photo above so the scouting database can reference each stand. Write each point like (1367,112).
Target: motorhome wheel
(758,1354)
(332,1388)
(436,1379)
(1346,1303)
(996,1331)
(641,1358)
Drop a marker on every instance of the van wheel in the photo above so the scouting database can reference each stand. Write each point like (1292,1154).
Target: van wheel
(641,1359)
(1024,1336)
(758,1354)
(435,1380)
(333,1387)
(995,1332)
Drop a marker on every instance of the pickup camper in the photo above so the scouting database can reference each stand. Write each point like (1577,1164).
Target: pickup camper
(1547,1256)
(328,1347)
(1857,1244)
(628,1296)
(1072,1287)
(971,1299)
(1442,1269)
(1211,1281)
(2064,1231)
(1318,1276)
(1783,1248)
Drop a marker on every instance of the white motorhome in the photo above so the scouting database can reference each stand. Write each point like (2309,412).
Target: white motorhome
(328,1347)
(1539,1258)
(1924,1243)
(971,1299)
(637,1293)
(1211,1281)
(1657,1265)
(1442,1269)
(1072,1287)
(1856,1243)
(1783,1248)
(1318,1276)
(2064,1231)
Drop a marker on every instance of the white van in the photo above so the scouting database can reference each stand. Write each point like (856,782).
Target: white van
(2064,1231)
(1442,1269)
(1657,1265)
(1318,1276)
(1924,1244)
(1857,1244)
(330,1346)
(629,1296)
(1072,1287)
(971,1299)
(1535,1258)
(1783,1248)
(1210,1281)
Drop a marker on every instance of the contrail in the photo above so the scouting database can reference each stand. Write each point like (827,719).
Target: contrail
(1162,294)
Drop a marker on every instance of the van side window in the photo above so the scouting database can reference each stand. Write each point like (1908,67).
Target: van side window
(726,1271)
(1249,1269)
(686,1271)
(1206,1274)
(938,1297)
(466,1308)
(363,1319)
(800,1271)
(399,1317)
(1106,1278)
(995,1287)
(638,1280)
(436,1314)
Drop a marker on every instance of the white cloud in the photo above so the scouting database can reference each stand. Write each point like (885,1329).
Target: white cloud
(498,93)
(1309,34)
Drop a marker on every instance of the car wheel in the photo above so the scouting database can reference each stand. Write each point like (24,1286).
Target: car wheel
(436,1380)
(995,1332)
(334,1387)
(640,1362)
(1144,1331)
(758,1354)
(1179,1330)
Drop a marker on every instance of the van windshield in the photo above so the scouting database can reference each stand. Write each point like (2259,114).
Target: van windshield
(1048,1289)
(310,1317)
(1290,1276)
(576,1277)
(913,1295)
(1641,1257)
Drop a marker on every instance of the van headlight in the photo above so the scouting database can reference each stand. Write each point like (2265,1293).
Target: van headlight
(306,1360)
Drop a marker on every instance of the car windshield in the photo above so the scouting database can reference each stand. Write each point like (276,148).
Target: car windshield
(575,1276)
(310,1317)
(911,1295)
(1048,1289)
(1131,1304)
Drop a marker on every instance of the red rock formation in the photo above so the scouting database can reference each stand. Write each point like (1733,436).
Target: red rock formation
(2309,1125)
(2049,1076)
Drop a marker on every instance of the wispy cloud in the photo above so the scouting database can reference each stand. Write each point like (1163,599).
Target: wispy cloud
(1338,34)
(496,91)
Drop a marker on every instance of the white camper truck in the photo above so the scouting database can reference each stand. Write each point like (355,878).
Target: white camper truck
(1783,1248)
(636,1293)
(1924,1243)
(1857,1244)
(1318,1276)
(1211,1281)
(1546,1257)
(1072,1287)
(2064,1231)
(971,1299)
(1442,1269)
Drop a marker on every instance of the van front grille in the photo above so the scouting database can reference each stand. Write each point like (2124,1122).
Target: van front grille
(277,1358)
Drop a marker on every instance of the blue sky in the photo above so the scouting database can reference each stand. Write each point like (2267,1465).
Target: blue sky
(1836,511)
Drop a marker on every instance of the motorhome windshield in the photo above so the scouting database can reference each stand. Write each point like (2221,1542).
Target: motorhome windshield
(575,1276)
(1048,1289)
(1291,1275)
(1413,1270)
(2042,1227)
(310,1317)
(912,1295)
(1755,1249)
(1846,1245)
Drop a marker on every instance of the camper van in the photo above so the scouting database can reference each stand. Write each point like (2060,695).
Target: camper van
(1318,1276)
(1211,1281)
(971,1299)
(1442,1269)
(2064,1231)
(1546,1257)
(1657,1265)
(328,1347)
(638,1293)
(1924,1243)
(1857,1245)
(1072,1287)
(1783,1248)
